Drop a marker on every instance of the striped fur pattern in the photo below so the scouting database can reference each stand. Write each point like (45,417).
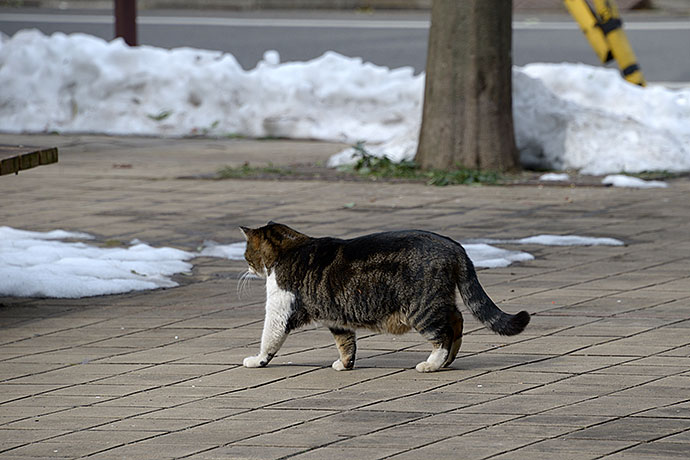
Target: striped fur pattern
(388,282)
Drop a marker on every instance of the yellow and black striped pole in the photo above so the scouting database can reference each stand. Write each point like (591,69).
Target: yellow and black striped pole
(589,23)
(603,27)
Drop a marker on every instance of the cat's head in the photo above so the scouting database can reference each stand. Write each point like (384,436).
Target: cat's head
(266,244)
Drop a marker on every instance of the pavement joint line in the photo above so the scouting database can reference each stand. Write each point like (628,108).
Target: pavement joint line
(639,443)
(599,279)
(427,415)
(156,409)
(546,410)
(151,366)
(613,315)
(163,326)
(268,406)
(61,313)
(559,380)
(603,258)
(99,359)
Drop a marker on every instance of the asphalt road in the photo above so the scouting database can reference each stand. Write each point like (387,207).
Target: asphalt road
(662,44)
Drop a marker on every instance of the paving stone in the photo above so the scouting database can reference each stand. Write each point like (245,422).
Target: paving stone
(678,410)
(656,450)
(242,452)
(631,428)
(361,453)
(613,406)
(147,449)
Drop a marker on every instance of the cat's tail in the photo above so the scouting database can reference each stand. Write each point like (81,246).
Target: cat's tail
(485,309)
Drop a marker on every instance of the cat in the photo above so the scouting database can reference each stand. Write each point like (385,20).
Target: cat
(387,282)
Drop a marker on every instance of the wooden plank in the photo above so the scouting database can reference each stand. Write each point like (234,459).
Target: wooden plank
(14,158)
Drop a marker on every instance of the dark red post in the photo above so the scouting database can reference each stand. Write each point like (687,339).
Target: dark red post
(126,21)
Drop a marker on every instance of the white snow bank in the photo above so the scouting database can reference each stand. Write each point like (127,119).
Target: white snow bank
(80,83)
(34,264)
(620,180)
(566,115)
(589,118)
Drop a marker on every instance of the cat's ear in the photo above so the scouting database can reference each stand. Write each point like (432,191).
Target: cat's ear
(270,222)
(245,232)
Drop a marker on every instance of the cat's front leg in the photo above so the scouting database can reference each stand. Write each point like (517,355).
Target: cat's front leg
(271,341)
(279,304)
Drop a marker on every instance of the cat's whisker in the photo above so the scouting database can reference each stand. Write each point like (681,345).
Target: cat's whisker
(240,285)
(243,283)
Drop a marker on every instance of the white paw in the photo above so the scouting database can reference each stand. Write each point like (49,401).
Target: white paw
(254,361)
(426,366)
(338,365)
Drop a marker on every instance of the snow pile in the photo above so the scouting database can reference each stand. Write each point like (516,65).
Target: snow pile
(574,116)
(566,116)
(619,180)
(80,83)
(34,264)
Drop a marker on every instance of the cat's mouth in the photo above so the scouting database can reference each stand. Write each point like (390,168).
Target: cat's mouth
(254,272)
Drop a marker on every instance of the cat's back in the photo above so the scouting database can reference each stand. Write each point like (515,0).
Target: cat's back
(403,247)
(400,242)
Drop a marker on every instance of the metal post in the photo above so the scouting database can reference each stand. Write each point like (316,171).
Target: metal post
(126,21)
(603,27)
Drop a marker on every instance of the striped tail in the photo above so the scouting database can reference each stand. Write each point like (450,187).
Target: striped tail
(486,311)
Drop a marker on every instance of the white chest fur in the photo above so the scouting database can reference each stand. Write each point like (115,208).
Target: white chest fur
(278,301)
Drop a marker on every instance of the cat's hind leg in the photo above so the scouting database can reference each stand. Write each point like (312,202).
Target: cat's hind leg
(435,327)
(435,360)
(347,347)
(456,323)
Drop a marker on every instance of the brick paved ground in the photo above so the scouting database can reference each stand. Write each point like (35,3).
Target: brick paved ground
(603,370)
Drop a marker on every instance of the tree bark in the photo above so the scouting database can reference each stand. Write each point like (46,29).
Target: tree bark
(467,120)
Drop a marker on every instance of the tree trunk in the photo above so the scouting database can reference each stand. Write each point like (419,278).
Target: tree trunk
(467,119)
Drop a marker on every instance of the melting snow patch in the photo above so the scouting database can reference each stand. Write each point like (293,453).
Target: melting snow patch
(34,264)
(486,256)
(560,240)
(620,180)
(234,251)
(556,177)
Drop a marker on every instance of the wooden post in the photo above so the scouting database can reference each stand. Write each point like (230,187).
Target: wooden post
(126,21)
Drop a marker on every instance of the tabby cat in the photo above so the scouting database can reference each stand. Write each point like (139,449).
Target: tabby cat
(387,282)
